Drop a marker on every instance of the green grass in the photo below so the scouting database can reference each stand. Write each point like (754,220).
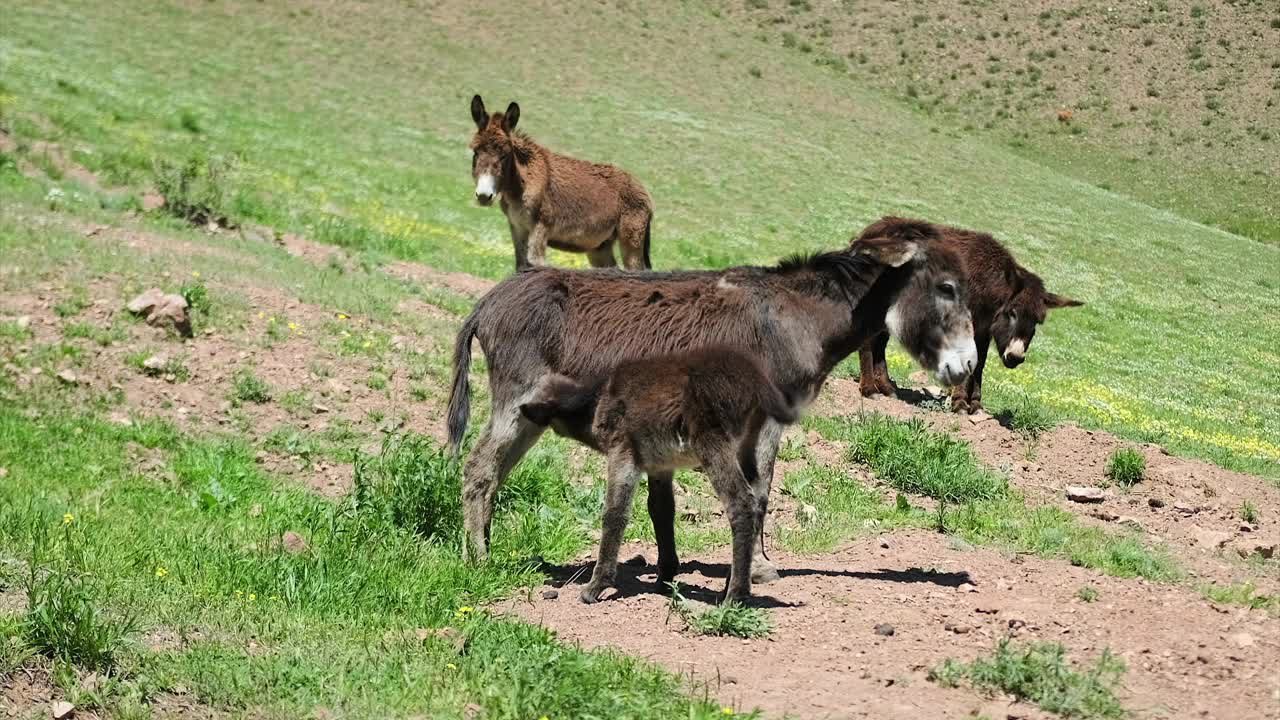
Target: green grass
(725,619)
(248,387)
(1040,673)
(978,505)
(1126,467)
(395,179)
(334,625)
(1244,594)
(1249,512)
(1088,594)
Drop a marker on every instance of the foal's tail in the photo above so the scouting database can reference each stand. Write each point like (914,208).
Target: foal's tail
(460,395)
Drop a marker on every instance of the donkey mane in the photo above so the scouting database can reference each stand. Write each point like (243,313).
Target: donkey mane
(846,267)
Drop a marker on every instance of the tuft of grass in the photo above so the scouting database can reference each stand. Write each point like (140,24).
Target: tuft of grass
(72,305)
(727,619)
(914,460)
(247,387)
(1087,593)
(1040,673)
(196,189)
(1126,467)
(1241,594)
(64,618)
(413,485)
(1028,417)
(1249,512)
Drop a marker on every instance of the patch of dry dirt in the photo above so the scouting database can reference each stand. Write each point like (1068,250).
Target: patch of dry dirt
(824,658)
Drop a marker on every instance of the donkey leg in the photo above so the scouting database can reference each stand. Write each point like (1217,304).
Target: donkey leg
(631,241)
(506,438)
(538,238)
(662,511)
(762,570)
(880,370)
(602,257)
(967,397)
(520,242)
(732,486)
(623,477)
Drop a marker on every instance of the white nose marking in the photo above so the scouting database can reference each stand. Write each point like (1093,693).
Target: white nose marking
(1017,348)
(485,186)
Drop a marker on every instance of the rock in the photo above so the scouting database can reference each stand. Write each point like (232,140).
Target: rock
(1185,509)
(1247,527)
(68,376)
(293,543)
(152,201)
(807,514)
(1212,539)
(62,709)
(550,594)
(1266,549)
(933,390)
(155,364)
(636,561)
(319,409)
(884,545)
(160,307)
(966,588)
(1083,494)
(884,629)
(1155,502)
(1104,515)
(1016,623)
(957,628)
(979,417)
(1241,640)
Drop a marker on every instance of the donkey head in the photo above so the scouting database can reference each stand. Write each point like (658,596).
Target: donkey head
(929,314)
(1015,322)
(492,149)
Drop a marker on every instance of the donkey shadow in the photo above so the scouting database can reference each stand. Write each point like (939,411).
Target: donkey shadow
(631,584)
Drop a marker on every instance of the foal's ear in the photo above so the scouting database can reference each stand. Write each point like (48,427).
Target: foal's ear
(511,117)
(478,114)
(1053,300)
(538,413)
(890,251)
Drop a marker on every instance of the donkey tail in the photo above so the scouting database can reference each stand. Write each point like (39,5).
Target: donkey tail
(460,395)
(647,225)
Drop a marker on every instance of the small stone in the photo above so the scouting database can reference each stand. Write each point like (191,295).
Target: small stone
(293,543)
(1185,509)
(1241,640)
(155,363)
(636,561)
(884,545)
(1246,527)
(957,628)
(1016,623)
(1212,539)
(1084,494)
(68,376)
(933,390)
(550,594)
(884,629)
(1104,515)
(62,709)
(979,417)
(1256,546)
(1155,502)
(319,409)
(966,588)
(807,514)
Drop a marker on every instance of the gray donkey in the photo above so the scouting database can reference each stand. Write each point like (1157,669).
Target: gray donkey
(699,409)
(799,318)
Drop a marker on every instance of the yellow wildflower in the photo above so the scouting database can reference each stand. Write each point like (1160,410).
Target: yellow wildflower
(195,274)
(342,316)
(726,711)
(366,344)
(451,666)
(293,326)
(271,319)
(261,314)
(161,571)
(68,518)
(252,597)
(463,611)
(239,593)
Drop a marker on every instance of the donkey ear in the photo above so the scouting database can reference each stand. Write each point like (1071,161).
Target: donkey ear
(1053,300)
(538,413)
(891,251)
(477,112)
(511,117)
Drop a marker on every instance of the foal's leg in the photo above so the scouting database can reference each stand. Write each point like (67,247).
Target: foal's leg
(631,239)
(762,570)
(725,472)
(506,438)
(538,238)
(520,242)
(602,256)
(967,398)
(623,477)
(873,378)
(662,511)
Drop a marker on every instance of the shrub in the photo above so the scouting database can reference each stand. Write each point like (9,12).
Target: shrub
(63,620)
(1087,593)
(195,190)
(1126,467)
(1040,673)
(248,387)
(412,484)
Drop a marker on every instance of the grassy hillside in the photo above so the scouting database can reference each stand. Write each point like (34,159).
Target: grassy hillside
(750,151)
(1170,102)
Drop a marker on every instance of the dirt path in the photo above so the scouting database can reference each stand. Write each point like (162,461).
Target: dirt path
(825,659)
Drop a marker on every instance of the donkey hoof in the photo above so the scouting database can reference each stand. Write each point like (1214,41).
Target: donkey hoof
(667,572)
(959,405)
(591,594)
(763,571)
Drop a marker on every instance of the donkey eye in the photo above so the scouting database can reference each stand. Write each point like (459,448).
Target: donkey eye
(948,289)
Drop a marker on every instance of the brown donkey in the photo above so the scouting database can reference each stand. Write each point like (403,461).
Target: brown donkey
(657,415)
(1007,302)
(800,319)
(552,200)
